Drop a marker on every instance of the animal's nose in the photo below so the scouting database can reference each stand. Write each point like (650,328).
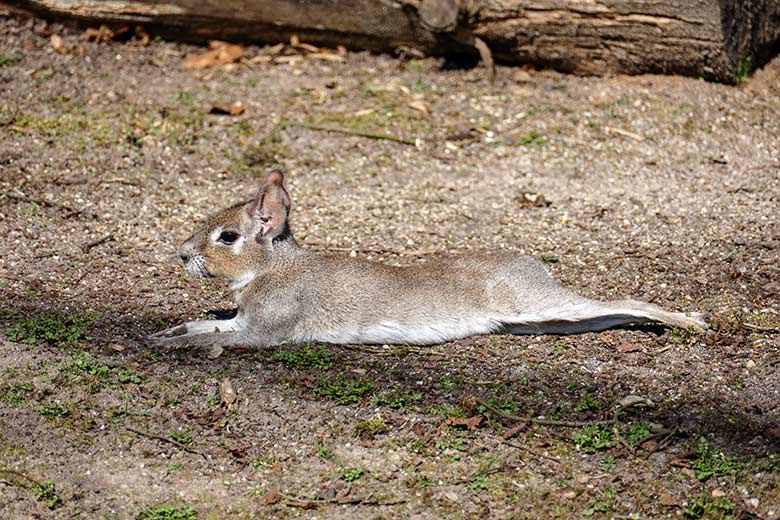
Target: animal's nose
(186,251)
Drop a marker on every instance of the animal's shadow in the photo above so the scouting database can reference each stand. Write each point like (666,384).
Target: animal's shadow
(474,369)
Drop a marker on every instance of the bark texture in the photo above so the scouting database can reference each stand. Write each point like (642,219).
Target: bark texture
(708,38)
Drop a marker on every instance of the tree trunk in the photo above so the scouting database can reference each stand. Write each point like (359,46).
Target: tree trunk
(714,39)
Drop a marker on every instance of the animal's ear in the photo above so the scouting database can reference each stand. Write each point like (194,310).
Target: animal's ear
(270,207)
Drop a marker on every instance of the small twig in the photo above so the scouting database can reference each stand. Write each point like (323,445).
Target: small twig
(11,277)
(42,202)
(487,57)
(24,476)
(153,436)
(622,441)
(761,328)
(530,451)
(625,133)
(121,180)
(663,443)
(479,473)
(358,133)
(88,246)
(541,422)
(365,500)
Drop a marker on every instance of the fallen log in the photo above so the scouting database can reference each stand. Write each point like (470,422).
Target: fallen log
(716,39)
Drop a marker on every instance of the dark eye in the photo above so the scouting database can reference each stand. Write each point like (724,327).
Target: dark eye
(228,237)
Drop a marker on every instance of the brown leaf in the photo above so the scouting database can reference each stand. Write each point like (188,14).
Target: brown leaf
(273,50)
(325,56)
(514,431)
(239,451)
(270,498)
(228,395)
(471,422)
(327,494)
(420,429)
(143,37)
(343,489)
(680,463)
(228,110)
(43,30)
(420,106)
(103,33)
(667,500)
(56,42)
(303,504)
(529,199)
(221,53)
(649,446)
(521,76)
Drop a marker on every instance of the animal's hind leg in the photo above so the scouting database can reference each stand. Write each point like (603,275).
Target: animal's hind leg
(592,316)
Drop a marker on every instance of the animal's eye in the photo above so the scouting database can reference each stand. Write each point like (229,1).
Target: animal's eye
(228,237)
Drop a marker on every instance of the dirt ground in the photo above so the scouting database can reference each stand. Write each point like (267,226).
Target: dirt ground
(660,188)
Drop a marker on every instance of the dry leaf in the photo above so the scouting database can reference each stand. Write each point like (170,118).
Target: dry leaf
(103,33)
(514,431)
(529,199)
(680,463)
(303,504)
(143,37)
(521,76)
(43,30)
(611,130)
(91,34)
(667,500)
(221,53)
(274,49)
(471,422)
(270,498)
(364,112)
(420,429)
(262,58)
(635,400)
(326,56)
(230,110)
(228,395)
(420,105)
(288,59)
(649,446)
(56,42)
(214,352)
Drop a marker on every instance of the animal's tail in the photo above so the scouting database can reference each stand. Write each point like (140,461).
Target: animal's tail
(592,316)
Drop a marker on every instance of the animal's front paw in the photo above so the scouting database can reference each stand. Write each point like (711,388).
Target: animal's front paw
(168,337)
(178,330)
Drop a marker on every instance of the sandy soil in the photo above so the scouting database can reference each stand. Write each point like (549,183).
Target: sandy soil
(659,188)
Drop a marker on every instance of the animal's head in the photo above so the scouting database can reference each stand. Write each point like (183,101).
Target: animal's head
(235,240)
